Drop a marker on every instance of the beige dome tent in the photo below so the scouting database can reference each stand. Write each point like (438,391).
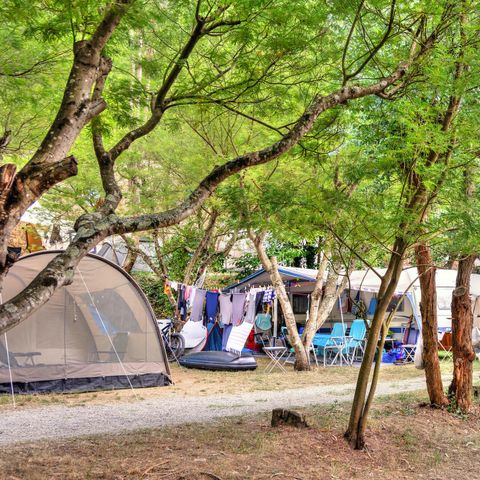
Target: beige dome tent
(97,333)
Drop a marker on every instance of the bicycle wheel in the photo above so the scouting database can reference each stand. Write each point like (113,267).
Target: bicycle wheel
(176,347)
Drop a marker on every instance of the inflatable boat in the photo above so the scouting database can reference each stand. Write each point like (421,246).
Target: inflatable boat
(225,361)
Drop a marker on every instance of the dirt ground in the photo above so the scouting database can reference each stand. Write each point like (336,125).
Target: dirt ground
(405,440)
(200,382)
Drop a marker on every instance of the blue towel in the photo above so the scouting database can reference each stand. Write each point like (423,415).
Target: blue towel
(372,306)
(212,306)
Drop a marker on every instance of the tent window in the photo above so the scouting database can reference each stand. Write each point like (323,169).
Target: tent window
(116,313)
(300,303)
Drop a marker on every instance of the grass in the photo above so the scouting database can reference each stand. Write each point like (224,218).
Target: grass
(200,382)
(404,440)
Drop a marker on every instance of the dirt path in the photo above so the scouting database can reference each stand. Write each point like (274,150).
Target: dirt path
(59,421)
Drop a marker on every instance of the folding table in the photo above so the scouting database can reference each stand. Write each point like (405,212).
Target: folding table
(277,358)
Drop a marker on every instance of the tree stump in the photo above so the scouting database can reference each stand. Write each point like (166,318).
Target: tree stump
(281,416)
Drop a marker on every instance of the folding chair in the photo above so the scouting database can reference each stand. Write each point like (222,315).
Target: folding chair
(445,346)
(355,342)
(321,340)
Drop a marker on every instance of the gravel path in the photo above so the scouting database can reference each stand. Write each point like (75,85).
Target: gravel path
(58,421)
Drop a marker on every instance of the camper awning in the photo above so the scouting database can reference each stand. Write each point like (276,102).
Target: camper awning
(261,277)
(364,280)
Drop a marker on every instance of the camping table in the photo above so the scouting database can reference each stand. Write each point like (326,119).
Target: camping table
(277,358)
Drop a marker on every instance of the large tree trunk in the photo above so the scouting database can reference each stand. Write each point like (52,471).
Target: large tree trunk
(428,309)
(460,389)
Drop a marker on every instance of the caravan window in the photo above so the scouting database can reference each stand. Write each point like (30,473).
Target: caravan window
(300,303)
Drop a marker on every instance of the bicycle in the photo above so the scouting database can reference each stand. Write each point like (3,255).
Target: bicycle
(174,342)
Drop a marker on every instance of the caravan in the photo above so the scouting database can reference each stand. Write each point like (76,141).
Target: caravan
(361,293)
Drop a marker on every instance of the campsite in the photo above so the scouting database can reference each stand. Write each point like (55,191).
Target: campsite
(239,239)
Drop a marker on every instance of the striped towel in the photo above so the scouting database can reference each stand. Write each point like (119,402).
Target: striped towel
(238,337)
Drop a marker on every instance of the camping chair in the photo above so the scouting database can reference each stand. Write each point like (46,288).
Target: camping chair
(445,346)
(355,342)
(321,340)
(409,343)
(7,358)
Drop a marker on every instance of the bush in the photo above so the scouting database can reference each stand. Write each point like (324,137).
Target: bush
(153,289)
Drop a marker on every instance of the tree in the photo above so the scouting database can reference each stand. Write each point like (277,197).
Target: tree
(424,177)
(83,100)
(185,255)
(428,311)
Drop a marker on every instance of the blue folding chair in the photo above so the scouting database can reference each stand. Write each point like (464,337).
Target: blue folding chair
(355,342)
(322,340)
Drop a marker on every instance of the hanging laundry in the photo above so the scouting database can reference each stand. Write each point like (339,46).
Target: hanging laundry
(344,301)
(167,289)
(174,285)
(250,307)
(188,291)
(238,305)
(225,301)
(269,296)
(212,306)
(258,301)
(226,333)
(197,307)
(372,306)
(182,304)
(191,298)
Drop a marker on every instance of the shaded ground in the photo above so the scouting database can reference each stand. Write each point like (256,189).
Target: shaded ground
(405,441)
(197,382)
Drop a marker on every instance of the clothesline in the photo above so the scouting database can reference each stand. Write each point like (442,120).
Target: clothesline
(200,304)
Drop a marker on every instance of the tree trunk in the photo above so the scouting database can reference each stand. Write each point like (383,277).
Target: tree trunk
(202,248)
(130,262)
(325,305)
(428,309)
(315,304)
(270,265)
(460,389)
(302,361)
(355,433)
